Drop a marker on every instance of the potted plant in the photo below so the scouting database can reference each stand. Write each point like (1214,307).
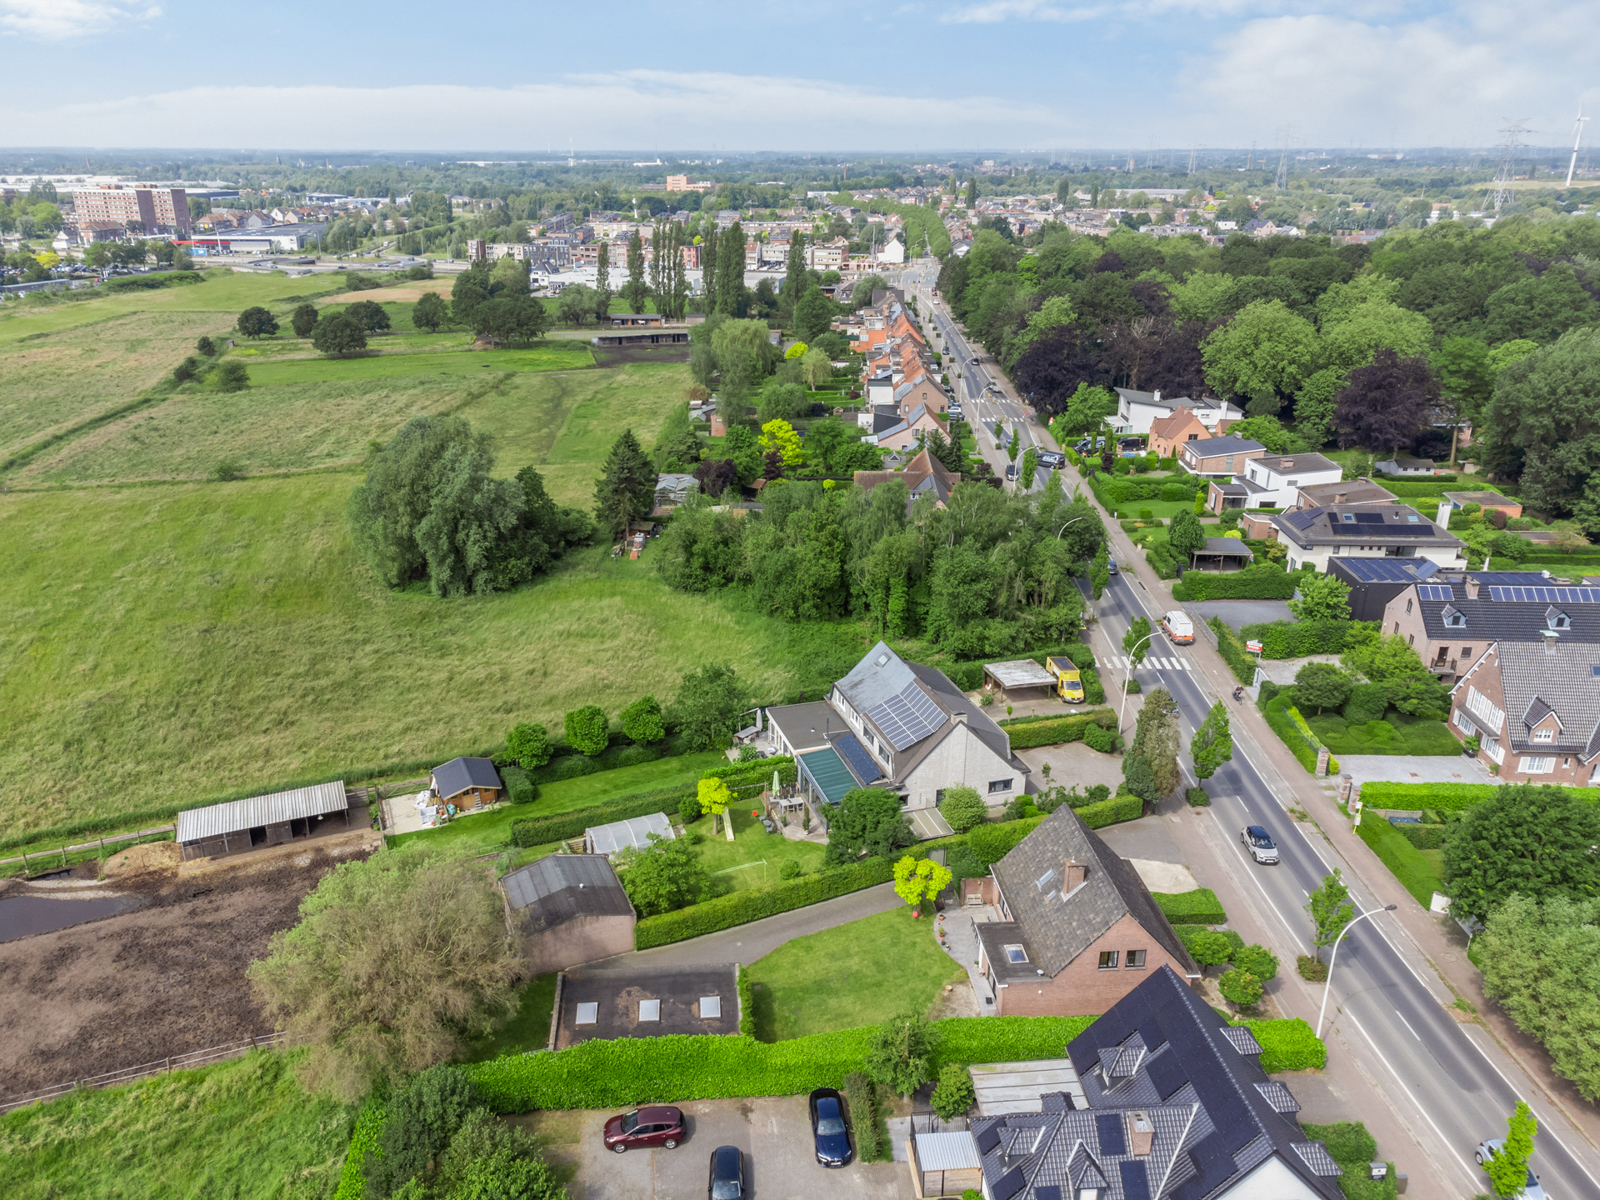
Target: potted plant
(1470,746)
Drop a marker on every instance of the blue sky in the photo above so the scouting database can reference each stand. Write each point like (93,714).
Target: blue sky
(824,75)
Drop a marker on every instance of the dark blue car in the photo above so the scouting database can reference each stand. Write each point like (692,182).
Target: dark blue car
(829,1129)
(727,1174)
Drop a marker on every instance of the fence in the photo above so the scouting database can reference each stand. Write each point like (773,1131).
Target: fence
(176,1062)
(44,859)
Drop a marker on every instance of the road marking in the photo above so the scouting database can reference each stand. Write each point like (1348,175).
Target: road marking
(1407,1024)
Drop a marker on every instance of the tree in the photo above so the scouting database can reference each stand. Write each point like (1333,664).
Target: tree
(642,721)
(1258,960)
(1156,740)
(1508,1168)
(430,312)
(901,1054)
(714,797)
(813,315)
(602,281)
(710,701)
(663,876)
(1136,642)
(816,368)
(1322,685)
(954,1094)
(1239,987)
(1030,460)
(1411,687)
(732,299)
(946,452)
(963,808)
(1321,598)
(626,489)
(232,376)
(1100,573)
(338,336)
(1330,910)
(1466,383)
(782,401)
(869,820)
(586,730)
(395,963)
(187,371)
(1265,346)
(919,880)
(1213,742)
(1140,778)
(303,320)
(257,322)
(1185,536)
(780,437)
(529,745)
(1537,841)
(1209,949)
(369,314)
(576,305)
(419,1124)
(636,291)
(1011,447)
(1385,405)
(490,1160)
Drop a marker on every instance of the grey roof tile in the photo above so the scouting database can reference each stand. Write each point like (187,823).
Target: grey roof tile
(1560,677)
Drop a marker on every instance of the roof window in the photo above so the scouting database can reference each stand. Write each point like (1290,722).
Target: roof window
(1016,954)
(882,658)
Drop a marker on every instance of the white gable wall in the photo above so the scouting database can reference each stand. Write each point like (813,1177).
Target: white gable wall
(961,757)
(1273,1180)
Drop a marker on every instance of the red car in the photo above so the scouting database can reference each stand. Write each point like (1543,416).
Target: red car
(661,1126)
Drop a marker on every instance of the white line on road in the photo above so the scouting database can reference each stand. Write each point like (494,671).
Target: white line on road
(1407,1024)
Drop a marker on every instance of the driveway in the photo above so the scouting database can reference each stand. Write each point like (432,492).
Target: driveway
(773,1132)
(1405,768)
(1239,613)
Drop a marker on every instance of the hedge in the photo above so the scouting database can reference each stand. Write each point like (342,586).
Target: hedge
(1297,639)
(740,908)
(747,1004)
(990,843)
(1287,1044)
(1231,647)
(968,676)
(1295,733)
(1110,812)
(519,788)
(353,1179)
(1260,582)
(1053,732)
(1441,797)
(679,1067)
(1188,932)
(1423,837)
(1199,907)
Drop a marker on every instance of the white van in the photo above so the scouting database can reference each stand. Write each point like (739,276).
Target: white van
(1178,626)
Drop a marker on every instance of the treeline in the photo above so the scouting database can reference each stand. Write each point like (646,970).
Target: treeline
(989,574)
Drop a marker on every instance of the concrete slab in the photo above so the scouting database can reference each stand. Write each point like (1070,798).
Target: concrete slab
(1072,764)
(1150,838)
(1172,878)
(1402,768)
(1016,1087)
(1239,613)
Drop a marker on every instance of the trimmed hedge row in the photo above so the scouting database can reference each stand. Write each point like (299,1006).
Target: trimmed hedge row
(1302,743)
(1053,732)
(1441,797)
(740,908)
(1231,646)
(1288,1044)
(1187,934)
(680,1067)
(1261,582)
(1297,639)
(1199,907)
(1112,811)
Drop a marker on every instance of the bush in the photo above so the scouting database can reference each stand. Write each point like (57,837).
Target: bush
(953,1095)
(632,756)
(1099,738)
(1261,582)
(679,1067)
(747,1006)
(1423,837)
(990,843)
(1110,812)
(1285,721)
(1199,907)
(1197,797)
(1075,728)
(1189,935)
(1353,1148)
(1207,948)
(1240,988)
(689,810)
(232,376)
(1257,960)
(740,908)
(861,1098)
(1240,661)
(1311,968)
(789,869)
(1297,639)
(586,730)
(963,808)
(1288,1045)
(519,788)
(1368,702)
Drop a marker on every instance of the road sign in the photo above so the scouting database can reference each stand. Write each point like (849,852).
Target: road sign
(1253,647)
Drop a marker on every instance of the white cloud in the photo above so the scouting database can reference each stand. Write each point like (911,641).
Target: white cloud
(58,20)
(616,110)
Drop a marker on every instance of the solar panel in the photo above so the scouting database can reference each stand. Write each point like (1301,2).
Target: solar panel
(1008,1184)
(1109,1128)
(988,1139)
(1049,1191)
(1368,518)
(1436,591)
(1135,1183)
(1167,1074)
(1562,595)
(854,753)
(1239,1133)
(907,717)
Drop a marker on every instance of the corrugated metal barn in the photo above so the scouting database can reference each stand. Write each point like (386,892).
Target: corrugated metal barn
(260,821)
(569,909)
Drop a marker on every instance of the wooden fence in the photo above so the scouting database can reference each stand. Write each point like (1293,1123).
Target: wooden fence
(177,1062)
(43,860)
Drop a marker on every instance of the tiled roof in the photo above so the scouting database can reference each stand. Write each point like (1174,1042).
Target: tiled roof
(459,774)
(1297,464)
(1560,678)
(1506,620)
(562,887)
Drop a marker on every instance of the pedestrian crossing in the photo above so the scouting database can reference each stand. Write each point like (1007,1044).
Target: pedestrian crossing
(1160,662)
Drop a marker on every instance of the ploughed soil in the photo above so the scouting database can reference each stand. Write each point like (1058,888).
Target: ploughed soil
(164,979)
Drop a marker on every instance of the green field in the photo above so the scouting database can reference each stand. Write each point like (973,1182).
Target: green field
(554,356)
(861,973)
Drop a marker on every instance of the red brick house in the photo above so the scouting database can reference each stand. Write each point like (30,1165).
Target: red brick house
(1167,434)
(1079,929)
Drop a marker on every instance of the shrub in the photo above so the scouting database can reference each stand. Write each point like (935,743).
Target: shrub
(1261,582)
(740,908)
(519,788)
(226,471)
(1311,968)
(586,730)
(862,1100)
(569,766)
(1257,960)
(632,756)
(529,745)
(1110,812)
(1297,639)
(990,843)
(953,1095)
(642,720)
(1054,732)
(1240,987)
(1207,948)
(963,808)
(1197,798)
(1190,934)
(1240,661)
(1286,722)
(418,1127)
(1288,1045)
(1368,702)
(689,810)
(747,1007)
(232,376)
(363,1141)
(1097,793)
(789,869)
(1423,837)
(1199,907)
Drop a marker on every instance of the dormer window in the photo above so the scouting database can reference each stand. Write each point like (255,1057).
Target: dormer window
(1454,617)
(1554,618)
(1544,735)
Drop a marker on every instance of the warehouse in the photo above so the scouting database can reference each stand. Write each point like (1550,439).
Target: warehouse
(260,821)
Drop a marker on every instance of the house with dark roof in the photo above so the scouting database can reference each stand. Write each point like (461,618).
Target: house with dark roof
(1314,535)
(1535,708)
(466,782)
(1373,582)
(896,725)
(1137,411)
(1178,1108)
(904,434)
(1077,928)
(1219,456)
(924,475)
(568,909)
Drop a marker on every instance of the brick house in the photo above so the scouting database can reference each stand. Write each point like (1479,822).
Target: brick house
(1079,929)
(1535,710)
(1169,433)
(903,434)
(1218,457)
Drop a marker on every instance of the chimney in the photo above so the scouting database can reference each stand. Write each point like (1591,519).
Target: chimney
(1286,465)
(1073,875)
(1550,639)
(1341,497)
(959,716)
(1141,1134)
(1472,587)
(1157,395)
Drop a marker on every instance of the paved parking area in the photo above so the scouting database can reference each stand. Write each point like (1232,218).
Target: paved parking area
(1239,613)
(773,1132)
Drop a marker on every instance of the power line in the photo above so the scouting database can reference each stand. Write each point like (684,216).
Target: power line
(1511,137)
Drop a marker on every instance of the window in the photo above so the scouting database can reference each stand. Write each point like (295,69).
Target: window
(1530,765)
(1466,653)
(1108,960)
(1411,640)
(999,785)
(1133,960)
(1016,954)
(1045,878)
(1408,606)
(1480,705)
(1463,722)
(1544,735)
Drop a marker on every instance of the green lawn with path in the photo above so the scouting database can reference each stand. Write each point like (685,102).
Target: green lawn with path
(752,859)
(1395,734)
(859,973)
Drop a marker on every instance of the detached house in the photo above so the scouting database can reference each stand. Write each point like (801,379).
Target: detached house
(1535,709)
(1314,535)
(1220,456)
(1271,481)
(1078,929)
(1138,411)
(906,432)
(1168,434)
(924,475)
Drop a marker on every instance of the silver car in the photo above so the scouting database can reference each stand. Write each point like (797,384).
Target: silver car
(1531,1190)
(1262,848)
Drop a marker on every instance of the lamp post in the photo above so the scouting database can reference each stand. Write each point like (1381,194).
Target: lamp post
(1327,987)
(1122,712)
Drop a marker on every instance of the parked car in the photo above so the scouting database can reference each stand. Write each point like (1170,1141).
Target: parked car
(1178,627)
(1011,471)
(1532,1189)
(828,1127)
(1262,847)
(659,1126)
(1051,458)
(727,1174)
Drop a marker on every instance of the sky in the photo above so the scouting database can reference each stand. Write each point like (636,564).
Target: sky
(824,76)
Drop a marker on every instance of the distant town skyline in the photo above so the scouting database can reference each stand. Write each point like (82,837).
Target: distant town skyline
(939,75)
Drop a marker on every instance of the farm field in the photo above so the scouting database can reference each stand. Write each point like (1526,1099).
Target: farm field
(267,373)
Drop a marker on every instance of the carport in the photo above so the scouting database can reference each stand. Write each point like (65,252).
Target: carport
(1020,679)
(1223,554)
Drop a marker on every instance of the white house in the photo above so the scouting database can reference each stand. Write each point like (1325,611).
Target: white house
(1137,411)
(1273,481)
(1314,535)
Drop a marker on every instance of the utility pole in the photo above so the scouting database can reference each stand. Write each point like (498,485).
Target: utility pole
(1512,135)
(1577,136)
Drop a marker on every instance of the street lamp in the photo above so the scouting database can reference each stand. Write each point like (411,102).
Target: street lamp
(1074,521)
(1121,712)
(1327,987)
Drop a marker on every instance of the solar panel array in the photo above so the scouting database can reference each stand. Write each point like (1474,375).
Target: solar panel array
(1167,1074)
(988,1139)
(854,753)
(907,717)
(1435,591)
(1009,1184)
(1559,595)
(1135,1181)
(1109,1128)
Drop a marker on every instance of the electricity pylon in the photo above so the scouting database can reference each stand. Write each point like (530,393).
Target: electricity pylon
(1512,135)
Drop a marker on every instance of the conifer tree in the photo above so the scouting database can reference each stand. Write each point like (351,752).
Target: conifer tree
(626,489)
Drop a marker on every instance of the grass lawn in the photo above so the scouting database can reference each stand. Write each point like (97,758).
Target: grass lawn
(550,356)
(240,1129)
(1420,872)
(1163,510)
(1395,734)
(861,973)
(751,860)
(489,831)
(527,1029)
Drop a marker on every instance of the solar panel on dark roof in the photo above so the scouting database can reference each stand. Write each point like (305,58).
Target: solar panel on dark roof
(1108,1126)
(1008,1185)
(1135,1181)
(988,1139)
(1049,1191)
(854,753)
(1368,518)
(1435,591)
(1167,1074)
(1238,1132)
